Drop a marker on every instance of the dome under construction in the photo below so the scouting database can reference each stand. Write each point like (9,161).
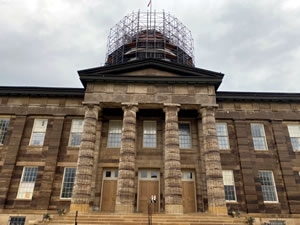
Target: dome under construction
(142,35)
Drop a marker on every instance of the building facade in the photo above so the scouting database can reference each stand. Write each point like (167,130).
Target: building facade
(149,127)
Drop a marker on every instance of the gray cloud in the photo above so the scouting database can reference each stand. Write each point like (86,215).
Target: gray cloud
(255,43)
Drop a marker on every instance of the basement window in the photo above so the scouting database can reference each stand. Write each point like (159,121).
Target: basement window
(16,220)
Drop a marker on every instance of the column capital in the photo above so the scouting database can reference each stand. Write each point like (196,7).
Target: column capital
(168,106)
(91,105)
(130,105)
(209,107)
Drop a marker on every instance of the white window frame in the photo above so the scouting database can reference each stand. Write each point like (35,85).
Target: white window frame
(4,123)
(38,132)
(185,140)
(257,139)
(223,138)
(151,174)
(114,128)
(294,133)
(149,134)
(76,132)
(114,173)
(228,180)
(187,175)
(271,187)
(67,180)
(26,188)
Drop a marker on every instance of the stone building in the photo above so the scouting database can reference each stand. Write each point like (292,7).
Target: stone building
(148,123)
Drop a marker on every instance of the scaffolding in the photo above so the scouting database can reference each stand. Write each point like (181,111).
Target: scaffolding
(141,35)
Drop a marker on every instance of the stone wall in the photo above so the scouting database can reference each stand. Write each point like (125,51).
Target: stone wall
(279,158)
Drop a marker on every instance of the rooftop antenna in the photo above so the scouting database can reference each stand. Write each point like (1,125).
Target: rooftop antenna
(150,5)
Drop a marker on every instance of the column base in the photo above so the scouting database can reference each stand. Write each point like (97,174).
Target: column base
(124,208)
(83,208)
(173,209)
(217,210)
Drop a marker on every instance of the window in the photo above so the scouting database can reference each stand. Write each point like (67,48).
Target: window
(27,183)
(268,186)
(3,129)
(114,134)
(17,220)
(294,131)
(187,175)
(149,139)
(38,132)
(149,174)
(76,132)
(68,183)
(184,135)
(111,174)
(222,135)
(258,135)
(277,222)
(229,187)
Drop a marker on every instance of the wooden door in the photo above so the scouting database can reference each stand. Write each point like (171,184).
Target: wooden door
(148,186)
(109,190)
(188,192)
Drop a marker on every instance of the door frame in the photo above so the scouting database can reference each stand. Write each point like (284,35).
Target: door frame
(148,178)
(185,178)
(114,173)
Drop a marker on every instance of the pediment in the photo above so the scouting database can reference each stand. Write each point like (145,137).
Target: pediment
(150,70)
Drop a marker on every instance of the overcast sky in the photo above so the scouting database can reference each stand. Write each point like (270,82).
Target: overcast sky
(255,43)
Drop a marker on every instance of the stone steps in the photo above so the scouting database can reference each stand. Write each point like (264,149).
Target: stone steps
(142,219)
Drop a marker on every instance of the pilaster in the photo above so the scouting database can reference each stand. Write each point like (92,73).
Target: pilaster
(213,169)
(172,176)
(11,157)
(125,199)
(50,162)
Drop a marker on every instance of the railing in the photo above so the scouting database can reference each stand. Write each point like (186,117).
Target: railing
(76,215)
(150,211)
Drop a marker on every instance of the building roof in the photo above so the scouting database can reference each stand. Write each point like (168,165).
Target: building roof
(222,96)
(41,91)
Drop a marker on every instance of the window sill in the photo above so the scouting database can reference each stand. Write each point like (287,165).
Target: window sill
(113,148)
(65,199)
(36,149)
(23,199)
(72,150)
(229,150)
(186,150)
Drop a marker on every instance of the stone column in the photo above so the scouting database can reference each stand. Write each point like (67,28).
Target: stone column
(213,168)
(125,187)
(84,170)
(172,176)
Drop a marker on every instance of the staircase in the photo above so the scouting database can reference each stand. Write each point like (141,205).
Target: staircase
(142,219)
